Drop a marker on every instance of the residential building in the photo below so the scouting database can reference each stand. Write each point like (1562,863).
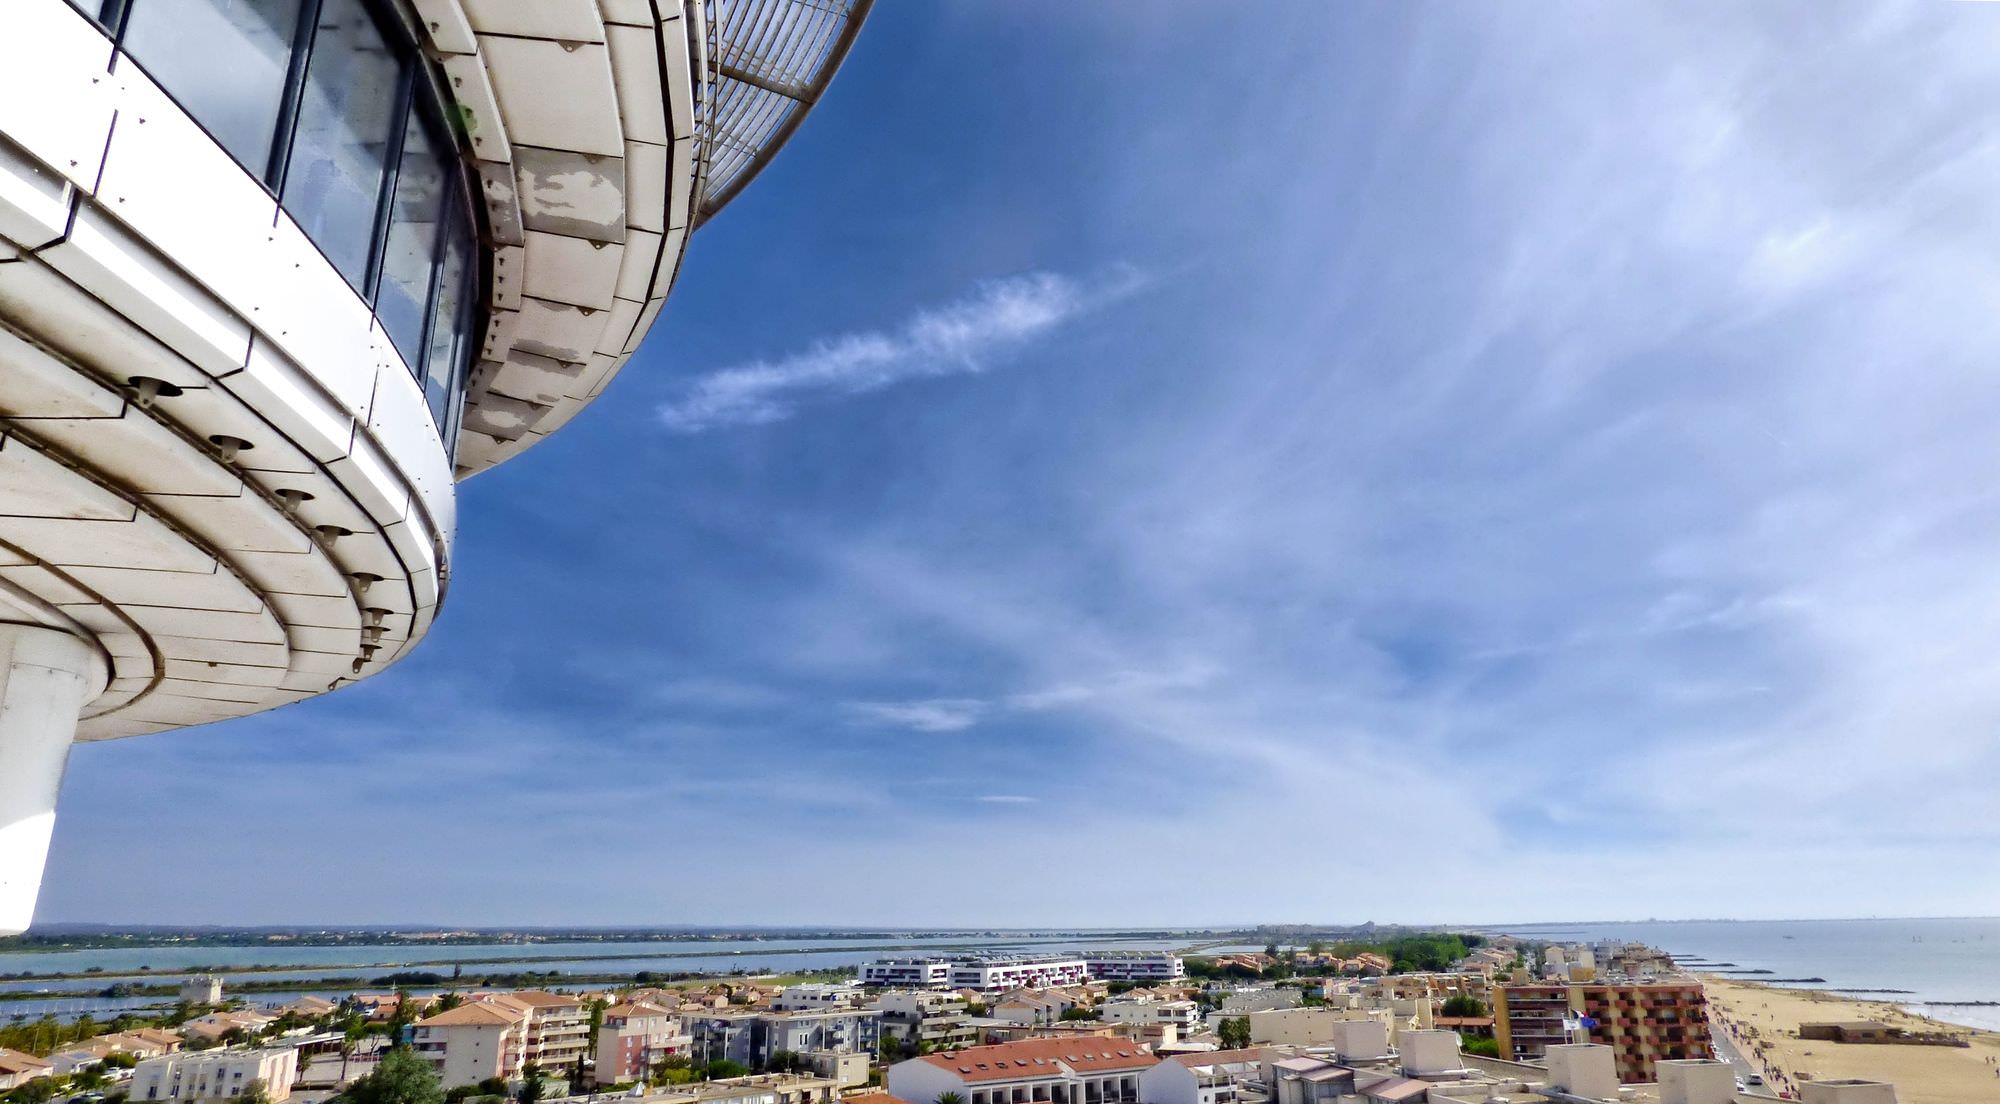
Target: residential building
(1184,1016)
(807,998)
(997,975)
(1032,1006)
(752,1037)
(1242,1002)
(1305,1026)
(473,1042)
(1205,1077)
(1304,1080)
(1642,1021)
(1847,1091)
(634,1038)
(215,1075)
(278,275)
(1087,1070)
(219,1026)
(907,973)
(17,1068)
(558,1027)
(202,989)
(1134,966)
(921,1019)
(1696,1081)
(846,1069)
(767,1088)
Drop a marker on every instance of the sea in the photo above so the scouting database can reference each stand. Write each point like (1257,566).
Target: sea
(1938,962)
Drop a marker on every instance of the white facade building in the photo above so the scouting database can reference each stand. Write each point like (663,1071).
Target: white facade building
(907,973)
(995,975)
(1211,1077)
(215,1074)
(1182,1015)
(1125,966)
(274,277)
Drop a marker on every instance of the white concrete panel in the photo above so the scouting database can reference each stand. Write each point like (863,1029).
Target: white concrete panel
(216,590)
(34,384)
(581,195)
(56,99)
(446,26)
(503,208)
(310,638)
(509,266)
(292,573)
(214,691)
(635,268)
(318,611)
(571,270)
(680,182)
(167,179)
(679,83)
(555,95)
(646,186)
(485,124)
(141,543)
(39,299)
(536,379)
(45,584)
(202,412)
(321,323)
(635,71)
(260,627)
(276,386)
(564,20)
(477,451)
(35,485)
(201,648)
(617,334)
(367,474)
(116,266)
(646,319)
(246,523)
(34,201)
(401,427)
(636,12)
(557,329)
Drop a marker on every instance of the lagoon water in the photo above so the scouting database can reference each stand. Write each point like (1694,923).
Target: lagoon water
(1936,959)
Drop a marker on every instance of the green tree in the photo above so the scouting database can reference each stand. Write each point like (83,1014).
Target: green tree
(255,1093)
(1234,1031)
(1463,1004)
(724,1068)
(1079,1013)
(1486,1046)
(950,1098)
(531,1083)
(401,1078)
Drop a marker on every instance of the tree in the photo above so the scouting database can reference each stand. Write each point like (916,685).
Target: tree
(724,1068)
(1463,1004)
(1486,1046)
(402,1078)
(450,1000)
(1234,1031)
(950,1098)
(493,1086)
(1079,1013)
(531,1083)
(254,1093)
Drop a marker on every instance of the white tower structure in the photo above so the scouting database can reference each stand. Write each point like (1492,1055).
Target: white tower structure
(275,275)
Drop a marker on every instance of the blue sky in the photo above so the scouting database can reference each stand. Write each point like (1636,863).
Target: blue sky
(1189,463)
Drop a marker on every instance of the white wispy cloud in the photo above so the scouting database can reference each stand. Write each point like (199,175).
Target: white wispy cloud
(966,335)
(934,715)
(1007,799)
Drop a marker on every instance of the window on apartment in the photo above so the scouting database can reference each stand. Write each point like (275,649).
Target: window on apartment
(348,116)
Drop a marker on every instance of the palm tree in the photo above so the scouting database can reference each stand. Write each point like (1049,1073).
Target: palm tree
(950,1098)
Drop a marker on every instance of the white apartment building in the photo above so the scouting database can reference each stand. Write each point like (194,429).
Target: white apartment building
(1307,1027)
(753,1037)
(215,1074)
(996,975)
(1207,1077)
(633,1038)
(937,1021)
(817,997)
(1182,1015)
(496,1034)
(1082,1070)
(202,989)
(1128,966)
(907,973)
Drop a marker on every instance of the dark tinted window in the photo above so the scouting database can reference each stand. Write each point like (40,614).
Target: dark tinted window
(347,116)
(409,253)
(224,61)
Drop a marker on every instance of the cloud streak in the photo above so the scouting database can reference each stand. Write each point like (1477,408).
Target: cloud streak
(965,336)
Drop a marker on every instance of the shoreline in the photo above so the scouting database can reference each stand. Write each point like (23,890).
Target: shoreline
(1761,1022)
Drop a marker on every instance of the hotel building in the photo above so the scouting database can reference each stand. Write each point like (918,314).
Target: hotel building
(1642,1022)
(1135,967)
(1086,1070)
(275,276)
(215,1074)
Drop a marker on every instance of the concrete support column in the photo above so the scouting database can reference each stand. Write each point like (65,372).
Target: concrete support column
(46,676)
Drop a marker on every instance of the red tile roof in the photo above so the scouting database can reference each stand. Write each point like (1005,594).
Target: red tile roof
(1027,1058)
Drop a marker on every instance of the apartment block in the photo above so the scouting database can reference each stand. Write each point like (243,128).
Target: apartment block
(634,1038)
(1126,966)
(907,973)
(498,1034)
(1643,1022)
(753,1037)
(996,975)
(1183,1016)
(1087,1070)
(927,1020)
(215,1075)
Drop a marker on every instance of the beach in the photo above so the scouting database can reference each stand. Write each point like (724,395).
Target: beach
(1763,1021)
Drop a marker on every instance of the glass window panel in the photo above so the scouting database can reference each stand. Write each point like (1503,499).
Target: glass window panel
(347,115)
(409,254)
(224,61)
(442,378)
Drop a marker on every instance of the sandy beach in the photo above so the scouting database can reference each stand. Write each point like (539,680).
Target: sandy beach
(1763,1022)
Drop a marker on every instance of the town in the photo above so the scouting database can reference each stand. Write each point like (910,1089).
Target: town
(1409,1019)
